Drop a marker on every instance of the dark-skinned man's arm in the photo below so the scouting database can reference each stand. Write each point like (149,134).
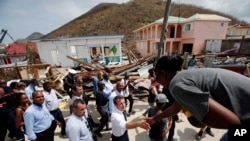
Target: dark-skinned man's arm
(172,110)
(219,116)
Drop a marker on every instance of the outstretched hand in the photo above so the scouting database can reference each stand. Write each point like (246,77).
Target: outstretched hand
(143,124)
(149,120)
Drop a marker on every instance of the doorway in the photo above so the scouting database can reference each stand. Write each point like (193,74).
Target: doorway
(55,56)
(187,48)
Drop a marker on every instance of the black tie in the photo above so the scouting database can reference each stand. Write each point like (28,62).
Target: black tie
(87,124)
(124,114)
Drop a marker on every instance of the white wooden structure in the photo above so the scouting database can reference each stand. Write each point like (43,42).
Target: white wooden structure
(104,49)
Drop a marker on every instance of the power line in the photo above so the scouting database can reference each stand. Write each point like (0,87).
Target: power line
(10,37)
(5,32)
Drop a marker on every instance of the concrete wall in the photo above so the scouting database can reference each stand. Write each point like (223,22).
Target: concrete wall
(199,32)
(204,30)
(64,46)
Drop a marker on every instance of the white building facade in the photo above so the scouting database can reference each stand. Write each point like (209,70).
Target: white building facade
(90,49)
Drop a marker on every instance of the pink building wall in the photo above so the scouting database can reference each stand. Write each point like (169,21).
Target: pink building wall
(208,30)
(179,39)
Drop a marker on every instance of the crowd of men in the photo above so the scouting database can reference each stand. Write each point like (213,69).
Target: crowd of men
(209,97)
(34,109)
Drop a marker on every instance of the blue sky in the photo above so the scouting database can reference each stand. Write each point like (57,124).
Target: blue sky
(23,17)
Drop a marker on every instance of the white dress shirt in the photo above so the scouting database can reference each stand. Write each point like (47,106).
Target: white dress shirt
(126,91)
(118,122)
(108,87)
(111,97)
(51,100)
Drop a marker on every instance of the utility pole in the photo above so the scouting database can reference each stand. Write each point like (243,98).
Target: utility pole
(4,33)
(164,31)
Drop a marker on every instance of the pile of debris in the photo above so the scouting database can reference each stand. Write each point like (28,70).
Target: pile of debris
(136,68)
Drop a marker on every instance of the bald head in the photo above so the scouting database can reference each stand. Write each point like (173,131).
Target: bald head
(100,75)
(106,76)
(119,86)
(38,97)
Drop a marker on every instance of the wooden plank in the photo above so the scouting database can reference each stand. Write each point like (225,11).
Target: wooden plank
(129,58)
(34,65)
(83,63)
(133,55)
(24,72)
(119,69)
(241,44)
(125,67)
(41,74)
(132,78)
(47,70)
(18,72)
(60,95)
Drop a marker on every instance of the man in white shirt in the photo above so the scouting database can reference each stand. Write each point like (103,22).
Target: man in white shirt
(119,121)
(108,85)
(52,104)
(118,91)
(77,128)
(125,81)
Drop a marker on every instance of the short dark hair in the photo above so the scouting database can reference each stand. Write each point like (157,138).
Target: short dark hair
(36,92)
(74,87)
(33,81)
(45,84)
(108,70)
(77,101)
(21,84)
(100,83)
(117,97)
(171,64)
(13,85)
(18,98)
(105,75)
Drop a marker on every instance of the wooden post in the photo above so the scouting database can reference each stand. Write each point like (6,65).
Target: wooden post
(208,61)
(185,63)
(129,58)
(18,73)
(241,44)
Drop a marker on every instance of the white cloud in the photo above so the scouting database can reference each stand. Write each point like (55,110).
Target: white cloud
(237,8)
